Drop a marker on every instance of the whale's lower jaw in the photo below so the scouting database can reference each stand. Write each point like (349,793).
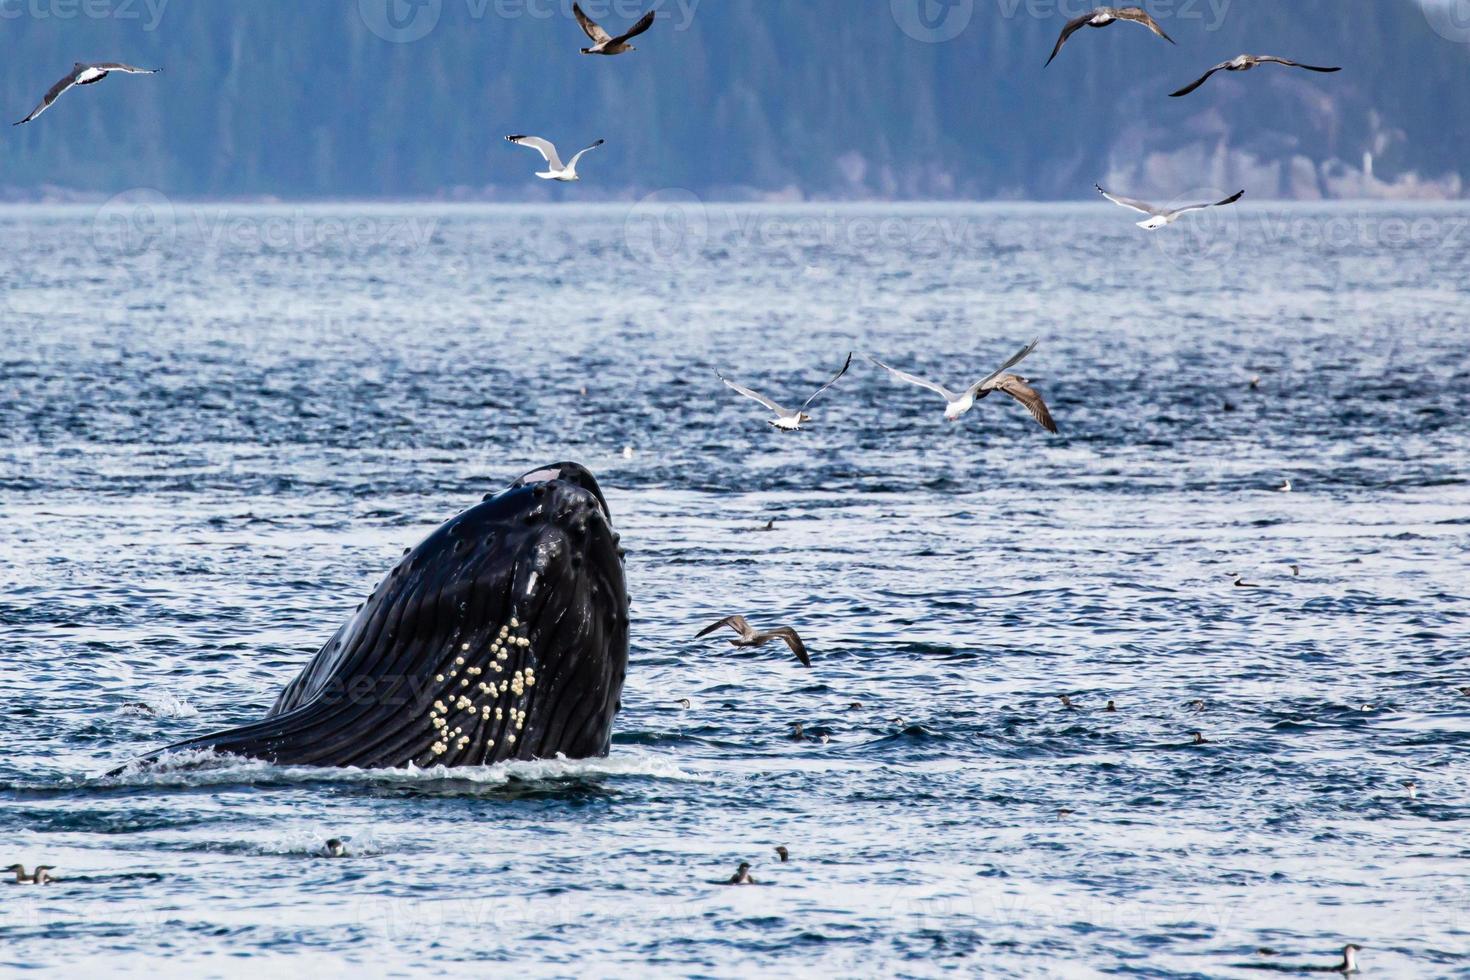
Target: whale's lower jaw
(504,635)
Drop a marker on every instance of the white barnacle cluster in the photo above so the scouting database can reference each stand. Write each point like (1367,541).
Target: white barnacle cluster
(522,679)
(463,696)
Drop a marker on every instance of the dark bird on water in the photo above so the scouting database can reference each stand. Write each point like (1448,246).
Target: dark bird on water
(1066,702)
(40,877)
(751,637)
(1111,707)
(83,74)
(1102,17)
(1246,62)
(742,875)
(1199,739)
(335,848)
(781,850)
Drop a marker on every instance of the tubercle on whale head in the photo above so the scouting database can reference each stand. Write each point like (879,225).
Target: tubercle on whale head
(565,472)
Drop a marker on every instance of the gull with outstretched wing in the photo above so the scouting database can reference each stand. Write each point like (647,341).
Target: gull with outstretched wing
(1102,17)
(605,43)
(1159,217)
(960,402)
(556,170)
(786,419)
(83,73)
(752,637)
(1246,62)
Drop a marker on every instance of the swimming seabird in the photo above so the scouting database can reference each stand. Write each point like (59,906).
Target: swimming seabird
(1111,706)
(1102,17)
(1246,62)
(1160,217)
(1349,962)
(742,875)
(781,850)
(335,848)
(1066,702)
(83,73)
(785,419)
(40,877)
(961,402)
(605,43)
(751,637)
(547,149)
(1296,570)
(1285,487)
(1199,739)
(684,703)
(1410,787)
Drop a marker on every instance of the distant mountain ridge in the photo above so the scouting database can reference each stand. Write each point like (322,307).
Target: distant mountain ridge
(742,99)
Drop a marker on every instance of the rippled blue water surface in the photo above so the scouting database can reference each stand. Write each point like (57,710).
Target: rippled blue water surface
(221,424)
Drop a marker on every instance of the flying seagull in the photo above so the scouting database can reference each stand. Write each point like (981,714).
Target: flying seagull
(547,149)
(605,43)
(84,74)
(961,402)
(1246,62)
(785,419)
(1102,17)
(751,637)
(1159,217)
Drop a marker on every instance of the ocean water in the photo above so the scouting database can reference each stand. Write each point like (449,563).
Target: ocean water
(220,424)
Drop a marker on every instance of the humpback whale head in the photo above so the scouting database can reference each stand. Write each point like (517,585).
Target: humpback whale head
(503,635)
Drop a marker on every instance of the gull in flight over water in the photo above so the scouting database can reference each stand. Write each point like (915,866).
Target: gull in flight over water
(605,43)
(786,419)
(1159,217)
(1246,62)
(1102,17)
(961,402)
(751,637)
(556,171)
(84,74)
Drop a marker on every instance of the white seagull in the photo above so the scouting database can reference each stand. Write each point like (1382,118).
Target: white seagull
(961,402)
(1159,217)
(1246,62)
(785,419)
(605,43)
(84,74)
(547,149)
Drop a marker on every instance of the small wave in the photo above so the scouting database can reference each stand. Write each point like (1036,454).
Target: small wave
(161,704)
(207,768)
